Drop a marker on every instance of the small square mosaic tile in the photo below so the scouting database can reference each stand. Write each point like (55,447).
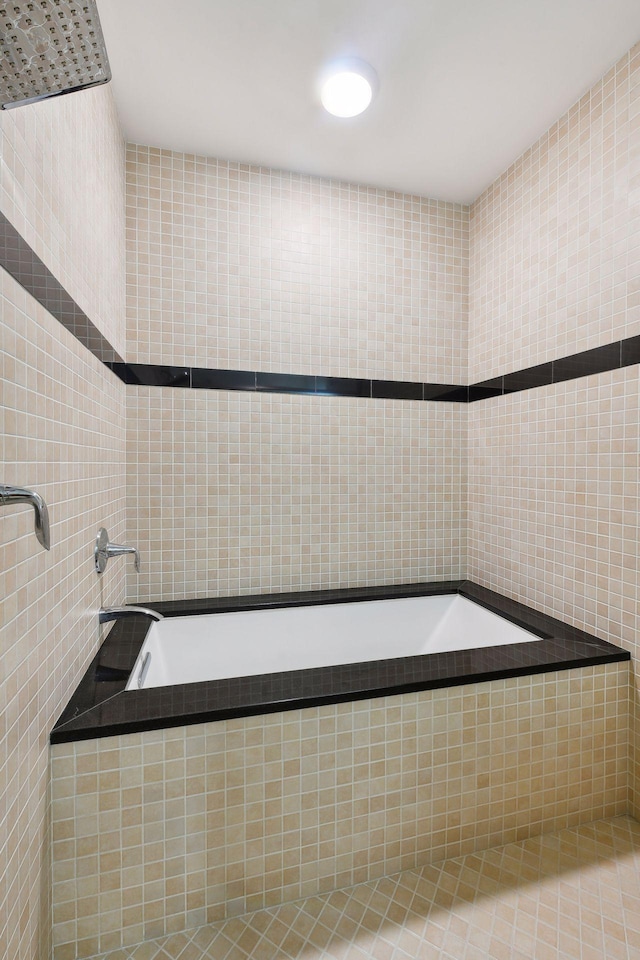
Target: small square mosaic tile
(165,830)
(244,267)
(554,249)
(265,493)
(571,894)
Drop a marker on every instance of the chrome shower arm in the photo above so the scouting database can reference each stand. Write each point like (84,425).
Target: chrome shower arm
(10,495)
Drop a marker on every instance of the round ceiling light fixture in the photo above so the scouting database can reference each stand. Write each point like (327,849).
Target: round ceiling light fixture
(347,87)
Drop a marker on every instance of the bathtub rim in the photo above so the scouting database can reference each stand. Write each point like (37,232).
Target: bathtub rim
(100,707)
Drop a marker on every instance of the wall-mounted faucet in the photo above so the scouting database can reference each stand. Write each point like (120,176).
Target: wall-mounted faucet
(104,550)
(10,495)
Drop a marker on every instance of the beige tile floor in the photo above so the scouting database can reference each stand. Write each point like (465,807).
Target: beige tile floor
(573,894)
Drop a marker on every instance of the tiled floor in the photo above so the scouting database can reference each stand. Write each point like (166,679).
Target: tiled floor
(573,894)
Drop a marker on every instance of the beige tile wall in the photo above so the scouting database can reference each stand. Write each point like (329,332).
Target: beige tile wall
(244,267)
(553,472)
(555,241)
(554,493)
(159,831)
(232,492)
(61,186)
(554,484)
(62,420)
(280,272)
(62,434)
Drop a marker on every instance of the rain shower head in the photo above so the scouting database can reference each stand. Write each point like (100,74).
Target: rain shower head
(49,47)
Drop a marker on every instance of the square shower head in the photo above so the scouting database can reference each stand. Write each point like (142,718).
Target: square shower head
(49,47)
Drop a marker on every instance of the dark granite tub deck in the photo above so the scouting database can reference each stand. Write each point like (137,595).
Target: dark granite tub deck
(100,707)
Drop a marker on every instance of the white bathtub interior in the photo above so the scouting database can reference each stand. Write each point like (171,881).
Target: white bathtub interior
(247,643)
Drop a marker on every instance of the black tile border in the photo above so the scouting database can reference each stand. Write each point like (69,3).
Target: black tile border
(24,265)
(100,707)
(397,390)
(155,375)
(256,381)
(611,356)
(343,387)
(204,379)
(598,360)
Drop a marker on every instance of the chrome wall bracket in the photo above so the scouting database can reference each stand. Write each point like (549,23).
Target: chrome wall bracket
(104,550)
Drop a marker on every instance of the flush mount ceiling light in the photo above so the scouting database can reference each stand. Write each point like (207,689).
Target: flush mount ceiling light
(347,87)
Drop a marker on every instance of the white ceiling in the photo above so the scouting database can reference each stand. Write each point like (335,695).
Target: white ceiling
(465,85)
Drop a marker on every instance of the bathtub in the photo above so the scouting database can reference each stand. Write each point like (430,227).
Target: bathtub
(231,657)
(189,649)
(321,739)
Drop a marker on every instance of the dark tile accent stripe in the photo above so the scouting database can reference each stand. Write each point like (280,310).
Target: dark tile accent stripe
(629,351)
(540,376)
(152,375)
(396,390)
(204,379)
(611,356)
(445,391)
(486,389)
(453,395)
(285,383)
(584,364)
(343,387)
(25,266)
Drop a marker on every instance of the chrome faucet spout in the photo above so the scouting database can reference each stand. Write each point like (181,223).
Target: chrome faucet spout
(106,614)
(10,495)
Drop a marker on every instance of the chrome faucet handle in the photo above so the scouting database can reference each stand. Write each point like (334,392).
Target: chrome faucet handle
(10,495)
(104,550)
(118,549)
